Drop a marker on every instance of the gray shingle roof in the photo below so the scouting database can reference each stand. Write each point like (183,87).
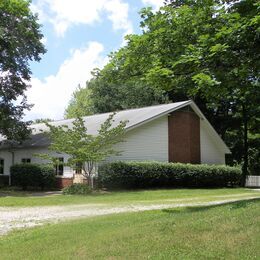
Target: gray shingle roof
(134,117)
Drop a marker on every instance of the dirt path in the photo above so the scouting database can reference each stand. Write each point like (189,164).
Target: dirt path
(16,218)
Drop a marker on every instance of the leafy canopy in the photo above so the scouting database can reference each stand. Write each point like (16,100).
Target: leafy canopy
(20,43)
(105,92)
(81,103)
(83,148)
(205,50)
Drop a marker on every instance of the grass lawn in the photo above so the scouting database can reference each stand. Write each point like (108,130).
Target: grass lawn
(230,231)
(9,198)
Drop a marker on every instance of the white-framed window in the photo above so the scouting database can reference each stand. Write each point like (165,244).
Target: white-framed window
(59,168)
(2,163)
(26,160)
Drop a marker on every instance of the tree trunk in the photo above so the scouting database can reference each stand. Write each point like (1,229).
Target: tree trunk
(92,182)
(245,139)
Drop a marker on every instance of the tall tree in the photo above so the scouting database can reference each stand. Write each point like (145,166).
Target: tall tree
(106,92)
(20,42)
(224,61)
(110,93)
(204,50)
(81,103)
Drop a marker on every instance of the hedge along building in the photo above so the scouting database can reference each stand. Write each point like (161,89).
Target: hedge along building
(176,132)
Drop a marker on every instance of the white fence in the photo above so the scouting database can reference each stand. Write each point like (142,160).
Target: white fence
(253,181)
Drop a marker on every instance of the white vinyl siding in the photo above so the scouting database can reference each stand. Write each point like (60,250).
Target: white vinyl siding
(19,154)
(253,181)
(146,142)
(7,157)
(211,152)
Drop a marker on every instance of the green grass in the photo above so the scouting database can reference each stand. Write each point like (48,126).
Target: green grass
(144,196)
(230,231)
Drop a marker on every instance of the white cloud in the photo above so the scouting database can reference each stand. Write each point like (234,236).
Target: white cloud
(37,8)
(66,13)
(118,14)
(51,95)
(156,4)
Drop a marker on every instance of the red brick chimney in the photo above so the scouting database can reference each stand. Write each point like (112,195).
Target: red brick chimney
(184,136)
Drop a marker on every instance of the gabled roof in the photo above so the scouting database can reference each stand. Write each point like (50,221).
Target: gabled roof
(135,118)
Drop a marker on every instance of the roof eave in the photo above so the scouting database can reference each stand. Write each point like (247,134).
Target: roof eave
(214,132)
(197,111)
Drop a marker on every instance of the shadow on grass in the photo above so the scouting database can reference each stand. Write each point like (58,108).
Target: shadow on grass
(233,206)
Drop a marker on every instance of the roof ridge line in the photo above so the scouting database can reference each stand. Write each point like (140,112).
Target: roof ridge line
(138,108)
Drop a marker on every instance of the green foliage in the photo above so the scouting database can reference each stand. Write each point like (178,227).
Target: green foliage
(77,189)
(42,120)
(20,42)
(33,175)
(108,93)
(105,93)
(4,180)
(81,103)
(136,175)
(83,148)
(207,51)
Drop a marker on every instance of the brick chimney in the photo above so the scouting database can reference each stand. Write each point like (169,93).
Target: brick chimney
(184,136)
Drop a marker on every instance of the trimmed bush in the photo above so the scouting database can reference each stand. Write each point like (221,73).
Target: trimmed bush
(77,189)
(33,175)
(48,178)
(136,175)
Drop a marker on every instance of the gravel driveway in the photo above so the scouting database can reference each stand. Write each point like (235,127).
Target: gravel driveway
(16,218)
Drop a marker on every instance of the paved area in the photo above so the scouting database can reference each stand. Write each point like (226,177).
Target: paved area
(16,218)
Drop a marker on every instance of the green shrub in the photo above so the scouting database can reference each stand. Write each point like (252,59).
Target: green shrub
(48,178)
(135,175)
(32,175)
(77,189)
(4,180)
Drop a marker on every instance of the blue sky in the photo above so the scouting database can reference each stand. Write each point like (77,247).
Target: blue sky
(78,35)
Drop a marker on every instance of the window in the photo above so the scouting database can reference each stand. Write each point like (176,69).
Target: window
(78,168)
(26,160)
(1,166)
(59,166)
